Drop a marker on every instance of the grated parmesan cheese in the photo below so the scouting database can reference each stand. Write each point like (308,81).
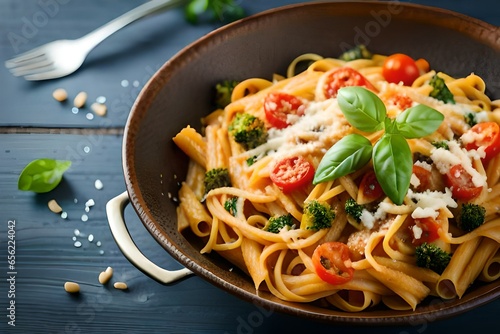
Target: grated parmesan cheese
(367,219)
(414,180)
(424,165)
(322,124)
(430,202)
(417,232)
(445,159)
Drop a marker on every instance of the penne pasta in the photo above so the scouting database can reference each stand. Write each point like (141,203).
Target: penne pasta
(345,240)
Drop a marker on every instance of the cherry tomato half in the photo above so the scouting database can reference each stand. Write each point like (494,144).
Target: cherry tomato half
(277,107)
(401,101)
(343,77)
(424,176)
(332,262)
(400,68)
(489,139)
(369,188)
(292,173)
(460,183)
(429,228)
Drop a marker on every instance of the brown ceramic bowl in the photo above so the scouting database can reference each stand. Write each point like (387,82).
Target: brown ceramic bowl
(181,92)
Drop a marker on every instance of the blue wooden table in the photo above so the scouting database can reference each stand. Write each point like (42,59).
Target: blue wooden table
(34,125)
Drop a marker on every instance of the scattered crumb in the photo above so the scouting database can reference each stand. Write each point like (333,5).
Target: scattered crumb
(120,286)
(99,109)
(54,206)
(72,287)
(98,184)
(60,95)
(80,99)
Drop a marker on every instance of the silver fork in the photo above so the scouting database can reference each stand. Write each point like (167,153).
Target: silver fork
(62,57)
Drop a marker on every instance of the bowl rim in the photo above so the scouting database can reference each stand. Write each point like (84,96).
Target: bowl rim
(144,99)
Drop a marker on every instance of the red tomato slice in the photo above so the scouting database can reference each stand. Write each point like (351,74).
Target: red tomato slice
(401,101)
(489,139)
(344,77)
(369,188)
(400,68)
(292,173)
(277,107)
(429,228)
(332,262)
(424,176)
(460,183)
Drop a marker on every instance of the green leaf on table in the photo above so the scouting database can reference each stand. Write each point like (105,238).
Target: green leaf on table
(346,156)
(393,164)
(42,175)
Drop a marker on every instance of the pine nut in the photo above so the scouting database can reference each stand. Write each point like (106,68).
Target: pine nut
(60,94)
(80,99)
(105,276)
(71,287)
(120,285)
(54,206)
(99,109)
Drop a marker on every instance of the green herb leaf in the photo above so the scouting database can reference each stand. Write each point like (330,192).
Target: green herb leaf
(418,121)
(213,10)
(440,91)
(231,205)
(42,175)
(393,164)
(194,9)
(471,119)
(346,156)
(362,108)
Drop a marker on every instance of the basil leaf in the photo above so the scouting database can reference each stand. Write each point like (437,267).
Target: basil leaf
(225,11)
(42,175)
(393,165)
(418,121)
(194,9)
(362,108)
(346,156)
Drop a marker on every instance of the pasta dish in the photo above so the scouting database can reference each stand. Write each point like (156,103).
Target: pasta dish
(355,181)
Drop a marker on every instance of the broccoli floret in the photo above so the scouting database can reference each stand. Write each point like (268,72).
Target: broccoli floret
(248,130)
(357,52)
(317,216)
(230,205)
(471,216)
(441,144)
(216,178)
(432,257)
(353,209)
(440,91)
(223,92)
(471,119)
(275,224)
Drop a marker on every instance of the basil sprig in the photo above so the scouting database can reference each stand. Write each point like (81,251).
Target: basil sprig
(391,154)
(42,175)
(213,10)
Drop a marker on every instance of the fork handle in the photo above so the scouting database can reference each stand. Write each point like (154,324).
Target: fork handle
(98,35)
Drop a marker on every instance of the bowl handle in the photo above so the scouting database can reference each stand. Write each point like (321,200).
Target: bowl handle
(115,212)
